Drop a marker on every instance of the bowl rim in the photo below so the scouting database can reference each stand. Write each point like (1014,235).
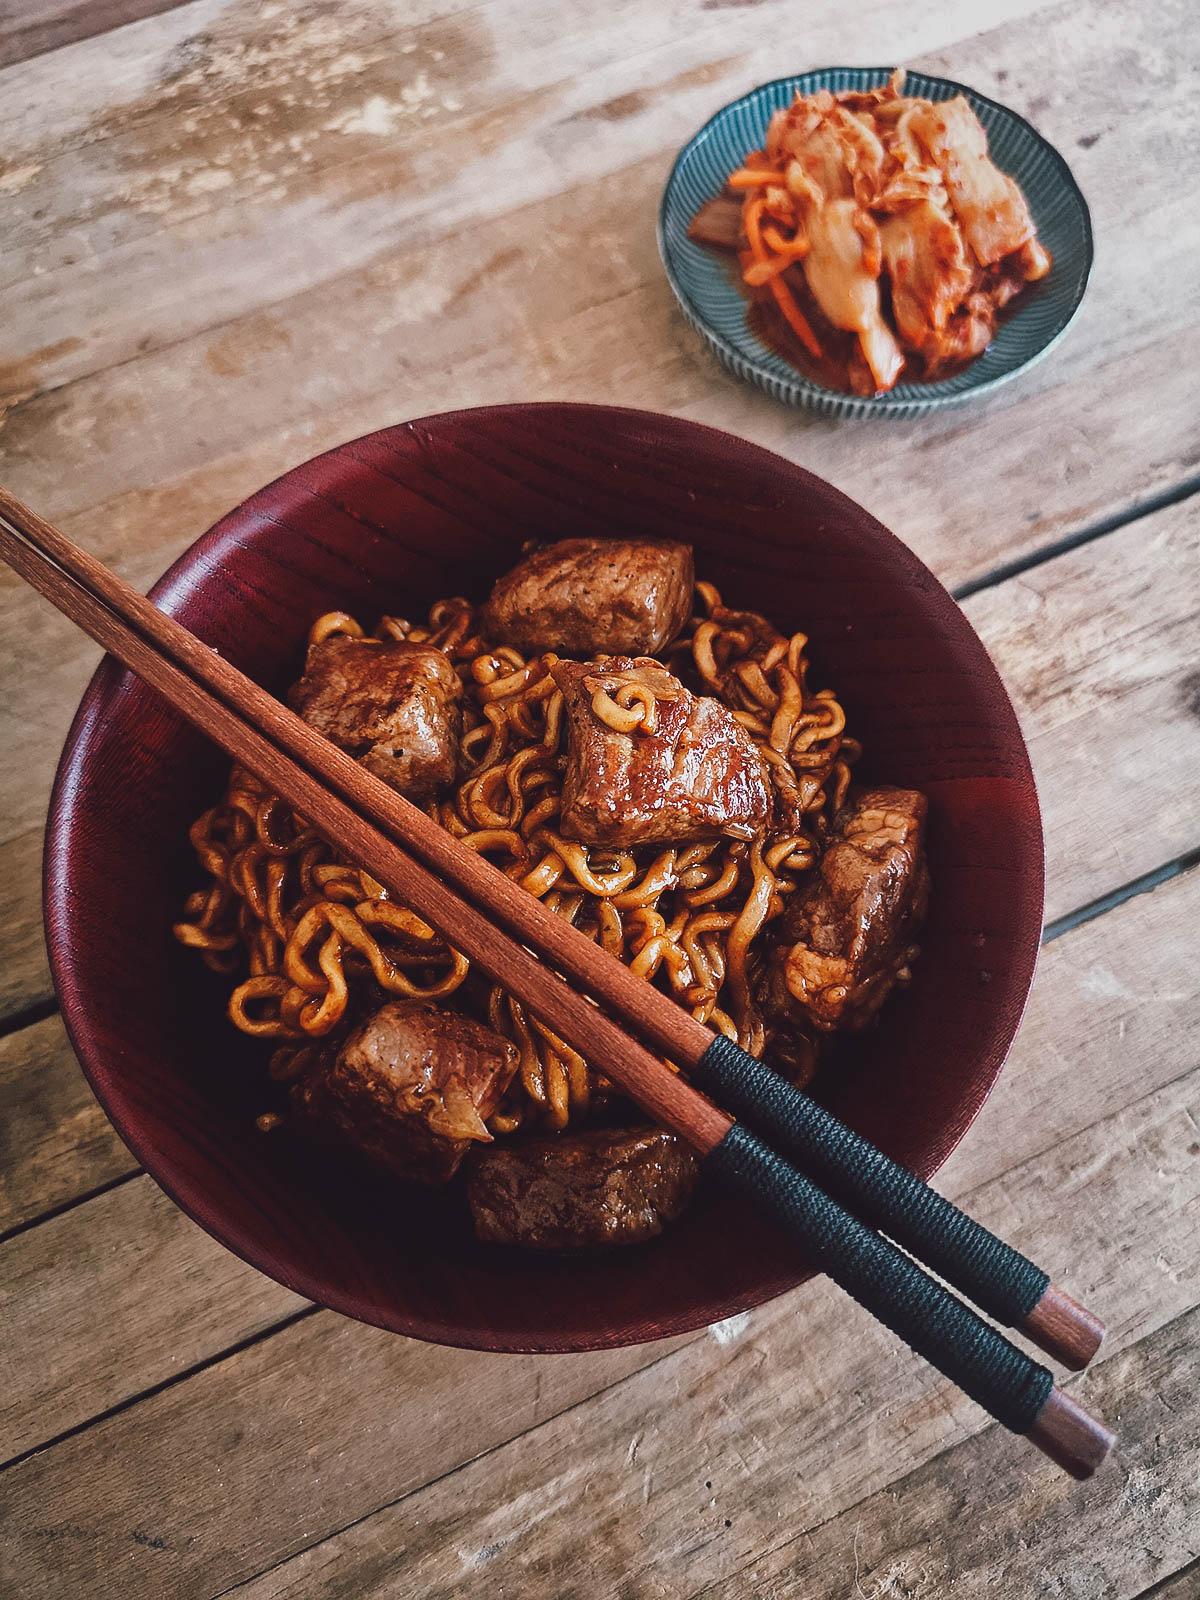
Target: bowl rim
(182,1188)
(802,392)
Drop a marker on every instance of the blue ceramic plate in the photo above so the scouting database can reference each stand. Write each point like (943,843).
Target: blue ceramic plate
(715,306)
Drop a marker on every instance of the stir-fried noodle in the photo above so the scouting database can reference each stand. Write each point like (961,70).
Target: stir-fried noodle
(303,931)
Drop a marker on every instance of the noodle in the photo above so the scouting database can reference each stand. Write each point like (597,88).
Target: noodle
(305,933)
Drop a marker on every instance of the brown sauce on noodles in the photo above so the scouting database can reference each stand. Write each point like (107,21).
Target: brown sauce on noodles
(309,941)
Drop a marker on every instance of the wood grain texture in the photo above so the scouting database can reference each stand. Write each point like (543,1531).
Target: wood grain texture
(1117,1005)
(71,1340)
(415,320)
(31,27)
(321,128)
(1098,649)
(924,1535)
(646,1492)
(55,1142)
(24,971)
(156,375)
(1116,1001)
(408,322)
(190,1493)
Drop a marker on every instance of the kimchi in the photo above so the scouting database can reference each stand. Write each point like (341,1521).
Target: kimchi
(880,232)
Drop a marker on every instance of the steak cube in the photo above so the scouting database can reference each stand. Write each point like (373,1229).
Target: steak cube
(394,707)
(583,597)
(686,771)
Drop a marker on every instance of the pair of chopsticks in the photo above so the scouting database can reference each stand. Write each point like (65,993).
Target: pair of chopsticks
(856,1214)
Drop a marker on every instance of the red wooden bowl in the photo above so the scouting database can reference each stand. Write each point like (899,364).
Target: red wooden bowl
(441,506)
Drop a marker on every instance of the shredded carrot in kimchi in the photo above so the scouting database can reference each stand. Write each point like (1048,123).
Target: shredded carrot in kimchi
(886,213)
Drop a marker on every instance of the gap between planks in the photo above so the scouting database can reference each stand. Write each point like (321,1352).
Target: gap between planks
(176,1378)
(1038,556)
(29,1016)
(442,1521)
(1145,884)
(990,1440)
(30,35)
(1097,332)
(1181,1585)
(1087,955)
(990,1456)
(61,1210)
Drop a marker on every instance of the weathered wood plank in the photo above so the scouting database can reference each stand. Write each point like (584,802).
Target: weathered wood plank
(1182,1586)
(1043,1533)
(921,1537)
(24,971)
(374,287)
(978,490)
(651,1491)
(950,515)
(351,1410)
(55,1142)
(1098,649)
(808,1410)
(100,87)
(324,129)
(1113,1014)
(417,321)
(41,25)
(134,1262)
(797,1358)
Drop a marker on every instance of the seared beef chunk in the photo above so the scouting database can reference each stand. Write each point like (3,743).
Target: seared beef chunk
(410,1088)
(848,937)
(684,770)
(579,1190)
(581,597)
(393,706)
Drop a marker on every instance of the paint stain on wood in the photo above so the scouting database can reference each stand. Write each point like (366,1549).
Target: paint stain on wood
(233,353)
(269,93)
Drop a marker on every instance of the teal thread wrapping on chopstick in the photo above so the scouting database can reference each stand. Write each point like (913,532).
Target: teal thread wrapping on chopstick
(1000,1280)
(948,1334)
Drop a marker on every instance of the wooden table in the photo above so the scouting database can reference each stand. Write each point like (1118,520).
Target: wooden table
(235,234)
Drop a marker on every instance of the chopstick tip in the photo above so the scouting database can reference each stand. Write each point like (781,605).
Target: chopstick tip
(1064,1329)
(1071,1436)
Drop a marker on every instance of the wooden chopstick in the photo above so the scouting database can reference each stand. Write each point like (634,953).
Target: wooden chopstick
(666,1097)
(245,719)
(996,1277)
